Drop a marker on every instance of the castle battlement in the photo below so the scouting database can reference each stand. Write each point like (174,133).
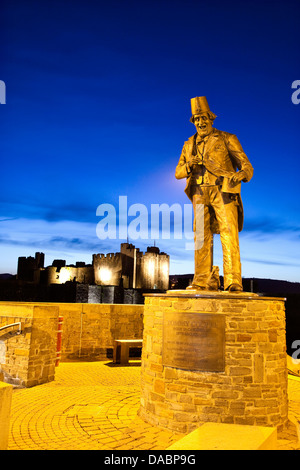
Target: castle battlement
(130,267)
(129,249)
(110,257)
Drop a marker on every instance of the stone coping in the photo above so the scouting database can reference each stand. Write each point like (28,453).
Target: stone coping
(191,294)
(219,436)
(56,304)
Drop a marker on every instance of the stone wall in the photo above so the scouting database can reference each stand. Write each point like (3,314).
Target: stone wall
(133,268)
(252,388)
(129,268)
(153,269)
(107,269)
(89,330)
(28,266)
(82,274)
(28,358)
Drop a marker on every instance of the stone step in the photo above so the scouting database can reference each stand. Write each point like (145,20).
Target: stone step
(218,436)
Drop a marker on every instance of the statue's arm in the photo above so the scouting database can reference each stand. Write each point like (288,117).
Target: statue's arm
(236,151)
(183,168)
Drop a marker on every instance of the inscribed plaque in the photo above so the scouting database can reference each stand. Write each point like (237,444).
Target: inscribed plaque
(194,341)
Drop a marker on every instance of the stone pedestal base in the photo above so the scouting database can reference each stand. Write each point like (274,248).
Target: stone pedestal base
(214,357)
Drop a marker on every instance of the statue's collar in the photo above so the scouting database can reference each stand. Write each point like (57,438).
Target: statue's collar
(214,133)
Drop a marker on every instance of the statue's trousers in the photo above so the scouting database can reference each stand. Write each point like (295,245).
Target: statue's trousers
(210,202)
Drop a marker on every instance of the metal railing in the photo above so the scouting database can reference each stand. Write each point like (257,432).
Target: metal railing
(12,324)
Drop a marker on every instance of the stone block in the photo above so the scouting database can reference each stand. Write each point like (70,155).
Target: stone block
(229,394)
(239,371)
(5,408)
(220,436)
(159,386)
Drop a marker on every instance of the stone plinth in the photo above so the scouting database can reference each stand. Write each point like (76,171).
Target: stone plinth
(231,369)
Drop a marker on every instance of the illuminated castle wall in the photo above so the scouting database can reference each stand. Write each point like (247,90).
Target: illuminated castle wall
(129,268)
(153,270)
(107,269)
(81,274)
(132,268)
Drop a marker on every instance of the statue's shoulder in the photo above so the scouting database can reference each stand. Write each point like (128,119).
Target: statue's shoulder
(224,134)
(188,144)
(190,139)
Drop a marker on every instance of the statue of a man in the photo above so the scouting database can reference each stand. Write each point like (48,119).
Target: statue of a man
(214,164)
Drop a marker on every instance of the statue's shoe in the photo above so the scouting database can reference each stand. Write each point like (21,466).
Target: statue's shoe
(235,288)
(195,287)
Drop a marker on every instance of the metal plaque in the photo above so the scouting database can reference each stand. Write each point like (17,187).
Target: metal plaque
(194,341)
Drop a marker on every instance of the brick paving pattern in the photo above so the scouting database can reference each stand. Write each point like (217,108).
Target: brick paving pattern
(94,406)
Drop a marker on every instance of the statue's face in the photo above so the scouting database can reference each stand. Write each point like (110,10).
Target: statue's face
(203,124)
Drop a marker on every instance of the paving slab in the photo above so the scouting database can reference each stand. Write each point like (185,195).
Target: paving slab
(94,406)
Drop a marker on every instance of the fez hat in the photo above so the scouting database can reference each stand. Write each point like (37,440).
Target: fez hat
(200,105)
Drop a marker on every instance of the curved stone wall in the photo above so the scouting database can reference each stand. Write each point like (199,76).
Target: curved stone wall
(250,383)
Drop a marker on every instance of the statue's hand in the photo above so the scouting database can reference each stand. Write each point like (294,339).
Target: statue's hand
(237,177)
(194,161)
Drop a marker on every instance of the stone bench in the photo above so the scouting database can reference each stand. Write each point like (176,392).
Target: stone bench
(218,436)
(121,349)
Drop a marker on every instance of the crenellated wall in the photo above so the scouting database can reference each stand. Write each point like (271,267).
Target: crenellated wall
(128,268)
(148,270)
(153,271)
(107,269)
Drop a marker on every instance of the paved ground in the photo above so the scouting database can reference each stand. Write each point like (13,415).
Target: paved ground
(94,405)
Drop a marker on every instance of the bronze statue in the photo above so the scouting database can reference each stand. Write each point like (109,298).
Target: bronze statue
(209,161)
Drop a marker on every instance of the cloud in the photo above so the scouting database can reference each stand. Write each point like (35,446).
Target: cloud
(73,210)
(9,218)
(270,225)
(271,253)
(270,262)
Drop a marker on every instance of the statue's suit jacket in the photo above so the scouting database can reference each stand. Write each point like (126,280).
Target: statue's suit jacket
(223,155)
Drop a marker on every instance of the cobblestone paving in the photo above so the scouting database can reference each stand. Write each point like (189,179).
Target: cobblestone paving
(89,406)
(288,440)
(94,406)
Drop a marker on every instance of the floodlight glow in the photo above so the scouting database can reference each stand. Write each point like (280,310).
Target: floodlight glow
(105,274)
(64,276)
(151,266)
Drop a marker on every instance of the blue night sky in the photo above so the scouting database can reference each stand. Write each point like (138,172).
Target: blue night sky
(98,107)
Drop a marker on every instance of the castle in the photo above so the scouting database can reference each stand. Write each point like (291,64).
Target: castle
(129,268)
